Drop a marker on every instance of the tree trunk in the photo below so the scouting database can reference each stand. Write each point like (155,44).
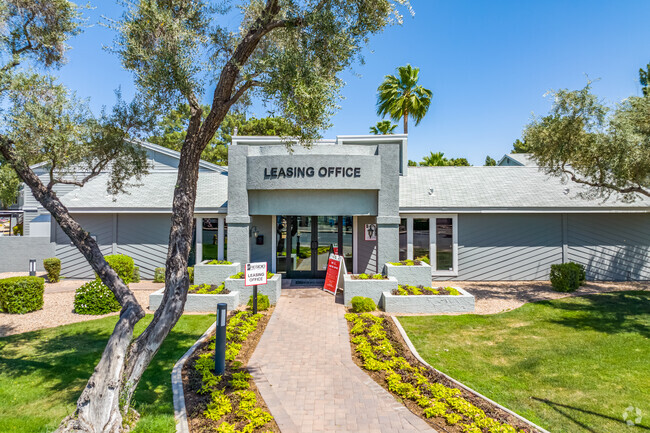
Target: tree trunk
(98,406)
(406,123)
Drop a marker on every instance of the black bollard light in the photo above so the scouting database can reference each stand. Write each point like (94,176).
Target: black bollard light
(32,267)
(220,343)
(254,299)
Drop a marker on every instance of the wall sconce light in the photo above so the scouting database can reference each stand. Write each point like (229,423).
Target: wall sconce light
(32,267)
(254,232)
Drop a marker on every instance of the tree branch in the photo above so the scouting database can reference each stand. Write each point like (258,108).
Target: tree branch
(244,87)
(604,184)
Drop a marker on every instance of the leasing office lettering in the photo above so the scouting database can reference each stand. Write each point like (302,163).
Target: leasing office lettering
(302,172)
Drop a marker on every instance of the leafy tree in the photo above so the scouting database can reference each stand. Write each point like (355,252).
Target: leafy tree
(290,53)
(520,146)
(489,161)
(400,96)
(171,131)
(459,162)
(384,127)
(604,148)
(9,185)
(412,163)
(435,160)
(644,80)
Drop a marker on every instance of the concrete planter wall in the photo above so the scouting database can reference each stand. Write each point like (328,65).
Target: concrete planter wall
(428,304)
(416,275)
(199,303)
(214,274)
(367,288)
(272,289)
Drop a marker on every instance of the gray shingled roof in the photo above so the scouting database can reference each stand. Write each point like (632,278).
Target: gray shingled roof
(516,188)
(525,159)
(154,193)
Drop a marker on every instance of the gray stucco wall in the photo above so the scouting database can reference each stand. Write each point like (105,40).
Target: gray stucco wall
(17,250)
(262,253)
(144,238)
(610,246)
(507,246)
(366,250)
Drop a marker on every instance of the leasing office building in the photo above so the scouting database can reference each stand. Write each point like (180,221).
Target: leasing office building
(356,194)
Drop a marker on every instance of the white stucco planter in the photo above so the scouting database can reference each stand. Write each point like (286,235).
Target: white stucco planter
(272,289)
(199,303)
(367,288)
(214,274)
(416,275)
(428,304)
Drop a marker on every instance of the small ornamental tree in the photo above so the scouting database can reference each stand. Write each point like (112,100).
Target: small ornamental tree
(289,53)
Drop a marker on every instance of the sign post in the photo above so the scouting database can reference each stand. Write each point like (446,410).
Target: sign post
(335,266)
(255,275)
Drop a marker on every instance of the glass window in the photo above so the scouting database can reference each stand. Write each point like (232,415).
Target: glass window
(210,238)
(421,241)
(444,244)
(403,239)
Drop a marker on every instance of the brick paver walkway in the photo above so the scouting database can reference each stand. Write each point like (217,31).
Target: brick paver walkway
(304,370)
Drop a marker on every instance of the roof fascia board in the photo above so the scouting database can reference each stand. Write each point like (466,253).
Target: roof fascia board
(522,210)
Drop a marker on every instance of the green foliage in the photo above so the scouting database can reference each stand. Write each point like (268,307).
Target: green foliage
(407,262)
(190,274)
(362,305)
(400,97)
(18,229)
(136,275)
(263,302)
(95,298)
(20,295)
(9,186)
(603,148)
(644,80)
(567,277)
(159,275)
(219,262)
(520,146)
(410,382)
(53,268)
(438,160)
(412,163)
(384,127)
(490,162)
(424,259)
(363,276)
(207,289)
(122,265)
(408,290)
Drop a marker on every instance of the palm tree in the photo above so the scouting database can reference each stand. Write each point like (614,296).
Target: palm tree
(435,160)
(385,127)
(400,96)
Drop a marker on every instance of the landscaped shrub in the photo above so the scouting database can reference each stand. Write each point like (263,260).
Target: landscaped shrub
(159,275)
(370,277)
(20,295)
(263,302)
(363,305)
(567,277)
(122,265)
(424,259)
(136,275)
(219,262)
(53,268)
(95,298)
(207,289)
(18,230)
(190,272)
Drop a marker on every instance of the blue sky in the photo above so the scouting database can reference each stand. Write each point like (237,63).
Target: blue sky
(488,64)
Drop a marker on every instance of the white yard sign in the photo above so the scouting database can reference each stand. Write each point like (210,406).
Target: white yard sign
(255,274)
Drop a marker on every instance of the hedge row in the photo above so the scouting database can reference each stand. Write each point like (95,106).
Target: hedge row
(20,295)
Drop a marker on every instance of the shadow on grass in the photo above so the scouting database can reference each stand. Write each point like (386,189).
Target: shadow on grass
(611,313)
(563,409)
(63,363)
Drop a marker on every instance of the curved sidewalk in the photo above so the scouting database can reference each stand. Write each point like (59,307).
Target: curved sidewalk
(304,370)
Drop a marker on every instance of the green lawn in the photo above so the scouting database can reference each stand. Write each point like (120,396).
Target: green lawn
(571,365)
(43,372)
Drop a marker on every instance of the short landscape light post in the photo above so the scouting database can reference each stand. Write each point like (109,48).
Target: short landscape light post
(220,343)
(32,267)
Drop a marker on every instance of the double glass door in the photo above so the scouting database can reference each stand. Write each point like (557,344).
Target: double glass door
(309,239)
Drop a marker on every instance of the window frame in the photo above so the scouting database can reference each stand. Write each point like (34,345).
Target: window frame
(432,241)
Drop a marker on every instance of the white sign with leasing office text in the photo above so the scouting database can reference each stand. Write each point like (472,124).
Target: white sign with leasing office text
(255,274)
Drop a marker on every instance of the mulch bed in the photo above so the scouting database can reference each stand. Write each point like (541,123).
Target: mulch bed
(393,334)
(197,403)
